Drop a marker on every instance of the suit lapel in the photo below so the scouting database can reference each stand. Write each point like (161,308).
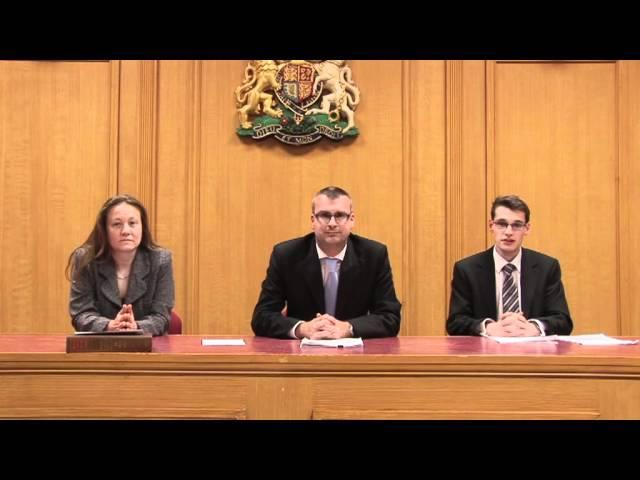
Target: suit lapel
(487,275)
(312,274)
(138,281)
(108,286)
(347,283)
(527,281)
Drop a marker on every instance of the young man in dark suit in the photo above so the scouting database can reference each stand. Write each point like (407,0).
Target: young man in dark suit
(508,290)
(333,283)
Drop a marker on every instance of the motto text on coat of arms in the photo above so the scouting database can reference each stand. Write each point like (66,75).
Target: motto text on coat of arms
(297,101)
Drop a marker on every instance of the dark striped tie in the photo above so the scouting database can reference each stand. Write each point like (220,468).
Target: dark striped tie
(510,301)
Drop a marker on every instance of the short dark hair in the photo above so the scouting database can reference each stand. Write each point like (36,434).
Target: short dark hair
(512,202)
(330,192)
(96,247)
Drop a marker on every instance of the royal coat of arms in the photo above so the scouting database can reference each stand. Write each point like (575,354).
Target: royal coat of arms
(297,101)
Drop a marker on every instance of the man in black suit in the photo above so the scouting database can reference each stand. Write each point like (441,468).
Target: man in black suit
(508,290)
(296,299)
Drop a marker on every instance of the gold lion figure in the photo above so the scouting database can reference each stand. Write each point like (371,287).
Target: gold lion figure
(251,98)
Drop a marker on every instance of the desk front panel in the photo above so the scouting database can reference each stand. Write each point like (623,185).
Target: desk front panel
(400,378)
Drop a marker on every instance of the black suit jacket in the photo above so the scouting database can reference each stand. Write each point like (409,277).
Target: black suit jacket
(473,293)
(366,295)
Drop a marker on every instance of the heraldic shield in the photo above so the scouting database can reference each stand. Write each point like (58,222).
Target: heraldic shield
(313,98)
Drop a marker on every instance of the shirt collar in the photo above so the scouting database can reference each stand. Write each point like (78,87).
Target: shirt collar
(501,262)
(340,255)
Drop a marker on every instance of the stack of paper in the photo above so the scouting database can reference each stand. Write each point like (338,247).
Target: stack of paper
(521,339)
(594,339)
(338,342)
(591,339)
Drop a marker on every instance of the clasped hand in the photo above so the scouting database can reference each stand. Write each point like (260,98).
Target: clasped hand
(323,327)
(512,324)
(125,320)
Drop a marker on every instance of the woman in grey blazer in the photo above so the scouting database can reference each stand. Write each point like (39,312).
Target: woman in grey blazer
(120,278)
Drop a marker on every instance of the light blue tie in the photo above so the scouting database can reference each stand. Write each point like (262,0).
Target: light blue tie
(331,286)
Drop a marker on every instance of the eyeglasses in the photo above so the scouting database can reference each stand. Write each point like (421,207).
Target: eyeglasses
(325,217)
(515,226)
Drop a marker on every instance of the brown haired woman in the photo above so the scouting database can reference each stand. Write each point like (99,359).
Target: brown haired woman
(120,278)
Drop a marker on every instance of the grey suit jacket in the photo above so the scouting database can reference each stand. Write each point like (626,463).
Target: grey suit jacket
(366,295)
(94,299)
(473,293)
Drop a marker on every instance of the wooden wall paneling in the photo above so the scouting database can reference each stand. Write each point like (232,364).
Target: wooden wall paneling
(474,159)
(455,165)
(178,179)
(137,170)
(114,118)
(194,179)
(629,195)
(56,162)
(226,205)
(553,140)
(423,312)
(466,216)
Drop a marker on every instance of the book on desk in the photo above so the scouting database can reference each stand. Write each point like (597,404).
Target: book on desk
(117,341)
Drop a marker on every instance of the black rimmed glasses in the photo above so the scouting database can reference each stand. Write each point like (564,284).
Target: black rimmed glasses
(325,217)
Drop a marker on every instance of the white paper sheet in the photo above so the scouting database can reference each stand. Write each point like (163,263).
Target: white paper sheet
(337,342)
(216,342)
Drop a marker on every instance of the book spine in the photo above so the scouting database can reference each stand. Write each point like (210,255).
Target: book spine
(79,344)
